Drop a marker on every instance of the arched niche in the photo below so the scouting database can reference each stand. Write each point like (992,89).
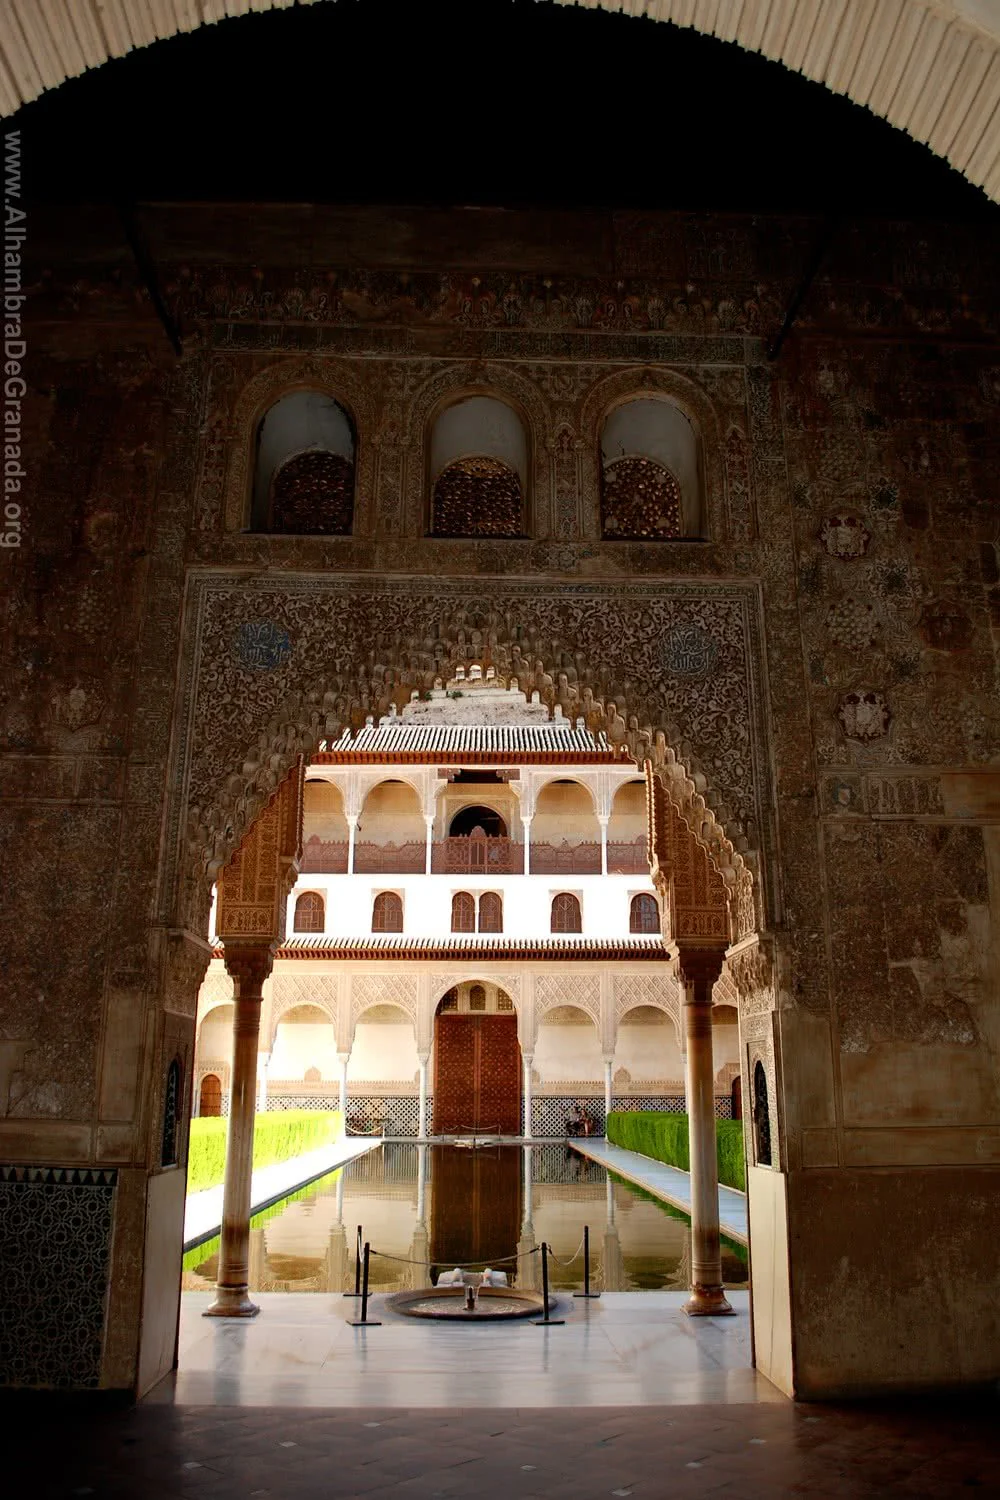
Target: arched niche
(568,1046)
(384,1048)
(323,812)
(564,813)
(651,472)
(304,1038)
(215,1034)
(647,1046)
(391,814)
(478,469)
(304,468)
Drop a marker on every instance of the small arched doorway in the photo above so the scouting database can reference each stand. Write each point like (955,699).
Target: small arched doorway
(210,1096)
(477,1062)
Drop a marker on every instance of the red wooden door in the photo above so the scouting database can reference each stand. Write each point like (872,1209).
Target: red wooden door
(477,1075)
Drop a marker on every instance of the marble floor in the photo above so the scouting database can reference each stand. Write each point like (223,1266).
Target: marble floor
(626,1349)
(932,1449)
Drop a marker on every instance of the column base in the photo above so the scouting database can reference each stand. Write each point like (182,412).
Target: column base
(707,1302)
(231,1302)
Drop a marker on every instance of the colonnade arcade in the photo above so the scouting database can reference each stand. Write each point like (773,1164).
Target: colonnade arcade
(699,917)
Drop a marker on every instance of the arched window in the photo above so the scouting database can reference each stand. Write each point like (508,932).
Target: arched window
(310,912)
(644,914)
(478,469)
(650,478)
(463,912)
(761,1117)
(387,912)
(210,1097)
(490,912)
(477,997)
(171,1115)
(566,913)
(477,820)
(449,1001)
(304,479)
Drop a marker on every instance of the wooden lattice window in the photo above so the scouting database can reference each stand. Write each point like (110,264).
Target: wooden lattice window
(449,1002)
(505,1004)
(310,912)
(566,915)
(491,912)
(387,912)
(644,914)
(477,497)
(313,493)
(171,1115)
(477,997)
(761,1117)
(641,500)
(463,912)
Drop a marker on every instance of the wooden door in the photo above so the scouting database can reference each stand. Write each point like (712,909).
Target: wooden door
(477,1075)
(210,1101)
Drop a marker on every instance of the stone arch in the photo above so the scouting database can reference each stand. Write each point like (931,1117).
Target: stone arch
(500,981)
(613,391)
(230,759)
(931,78)
(566,773)
(332,377)
(441,390)
(289,991)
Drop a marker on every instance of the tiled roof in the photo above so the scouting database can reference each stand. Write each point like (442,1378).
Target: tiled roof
(481,945)
(557,738)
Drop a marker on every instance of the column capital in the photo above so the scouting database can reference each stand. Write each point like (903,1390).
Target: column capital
(248,961)
(698,967)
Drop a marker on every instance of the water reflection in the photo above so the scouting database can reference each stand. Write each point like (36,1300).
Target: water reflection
(427,1208)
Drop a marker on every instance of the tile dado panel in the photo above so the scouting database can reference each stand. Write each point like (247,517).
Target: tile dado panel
(55,1249)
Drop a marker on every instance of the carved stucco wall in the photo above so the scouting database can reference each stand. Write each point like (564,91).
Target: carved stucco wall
(823,668)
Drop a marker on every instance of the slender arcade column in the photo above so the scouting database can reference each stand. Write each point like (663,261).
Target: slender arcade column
(344,1059)
(423,1059)
(609,1063)
(352,828)
(429,846)
(526,825)
(698,969)
(249,964)
(604,844)
(526,1059)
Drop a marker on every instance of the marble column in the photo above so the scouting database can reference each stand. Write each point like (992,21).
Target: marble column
(609,1064)
(526,825)
(429,845)
(526,1060)
(698,969)
(352,828)
(344,1059)
(604,844)
(249,964)
(423,1059)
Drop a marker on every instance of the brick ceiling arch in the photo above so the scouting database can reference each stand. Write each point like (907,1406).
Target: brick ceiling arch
(930,67)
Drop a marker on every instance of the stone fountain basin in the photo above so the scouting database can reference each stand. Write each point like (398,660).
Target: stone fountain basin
(493,1304)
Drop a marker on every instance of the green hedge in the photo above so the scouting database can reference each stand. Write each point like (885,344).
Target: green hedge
(664,1137)
(277,1136)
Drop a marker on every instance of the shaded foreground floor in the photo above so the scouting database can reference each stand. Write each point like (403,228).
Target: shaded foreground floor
(768,1450)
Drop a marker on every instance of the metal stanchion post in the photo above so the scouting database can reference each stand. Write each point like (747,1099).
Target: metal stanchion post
(587,1293)
(357,1268)
(546,1321)
(364,1321)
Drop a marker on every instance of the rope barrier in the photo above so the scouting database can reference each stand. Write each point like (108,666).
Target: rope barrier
(468,1265)
(565,1263)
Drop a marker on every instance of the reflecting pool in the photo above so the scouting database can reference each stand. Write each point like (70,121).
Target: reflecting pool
(425,1209)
